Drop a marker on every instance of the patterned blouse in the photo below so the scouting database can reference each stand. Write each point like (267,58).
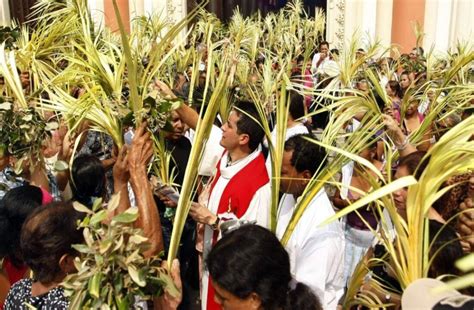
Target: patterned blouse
(19,298)
(9,180)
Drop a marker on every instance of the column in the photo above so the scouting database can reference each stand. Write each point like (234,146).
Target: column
(4,13)
(97,12)
(367,19)
(383,23)
(351,28)
(335,19)
(438,24)
(360,21)
(136,8)
(462,25)
(405,14)
(111,20)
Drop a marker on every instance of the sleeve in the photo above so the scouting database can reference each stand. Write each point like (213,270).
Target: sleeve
(259,208)
(212,152)
(313,64)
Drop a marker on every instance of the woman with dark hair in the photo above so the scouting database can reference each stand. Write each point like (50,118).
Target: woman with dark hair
(46,243)
(394,92)
(15,207)
(411,164)
(88,179)
(250,269)
(412,119)
(405,82)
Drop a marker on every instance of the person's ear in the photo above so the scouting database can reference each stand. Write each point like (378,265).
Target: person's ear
(307,175)
(66,263)
(255,301)
(244,139)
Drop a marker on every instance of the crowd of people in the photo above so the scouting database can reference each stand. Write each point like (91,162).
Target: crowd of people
(230,256)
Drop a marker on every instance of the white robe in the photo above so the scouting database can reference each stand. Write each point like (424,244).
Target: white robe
(258,210)
(316,253)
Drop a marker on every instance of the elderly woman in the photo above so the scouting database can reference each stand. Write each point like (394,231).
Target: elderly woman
(46,243)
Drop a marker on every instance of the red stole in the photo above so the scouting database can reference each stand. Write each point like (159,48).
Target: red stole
(236,199)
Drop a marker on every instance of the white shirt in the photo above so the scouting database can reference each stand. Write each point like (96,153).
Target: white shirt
(316,58)
(316,253)
(258,210)
(327,67)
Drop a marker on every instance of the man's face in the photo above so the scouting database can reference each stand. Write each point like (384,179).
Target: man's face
(178,127)
(324,49)
(413,54)
(230,138)
(292,181)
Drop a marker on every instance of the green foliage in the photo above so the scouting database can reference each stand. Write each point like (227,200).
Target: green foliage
(111,268)
(9,36)
(23,130)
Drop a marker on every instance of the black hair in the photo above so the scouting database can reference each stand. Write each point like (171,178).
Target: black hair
(415,163)
(445,249)
(250,260)
(259,61)
(395,86)
(323,43)
(47,234)
(15,207)
(306,154)
(405,73)
(296,108)
(335,51)
(88,176)
(247,123)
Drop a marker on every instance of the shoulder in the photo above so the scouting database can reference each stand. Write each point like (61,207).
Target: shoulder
(18,293)
(317,211)
(22,285)
(56,299)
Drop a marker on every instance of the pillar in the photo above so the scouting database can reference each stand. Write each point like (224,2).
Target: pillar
(383,23)
(406,13)
(4,13)
(111,20)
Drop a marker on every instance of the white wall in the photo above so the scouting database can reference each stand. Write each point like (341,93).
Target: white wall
(446,21)
(370,19)
(96,7)
(4,13)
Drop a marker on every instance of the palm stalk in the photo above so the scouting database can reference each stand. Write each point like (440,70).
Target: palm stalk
(203,130)
(11,77)
(135,102)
